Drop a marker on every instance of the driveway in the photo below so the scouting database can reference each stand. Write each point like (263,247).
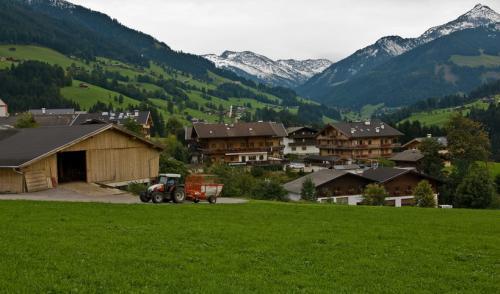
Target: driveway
(83,192)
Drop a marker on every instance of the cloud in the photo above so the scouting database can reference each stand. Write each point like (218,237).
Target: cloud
(297,29)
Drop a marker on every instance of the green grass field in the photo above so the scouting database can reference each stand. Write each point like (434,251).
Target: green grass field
(440,116)
(87,97)
(257,247)
(476,61)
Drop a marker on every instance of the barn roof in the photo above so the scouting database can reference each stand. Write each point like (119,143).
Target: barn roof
(373,128)
(385,174)
(319,178)
(253,129)
(21,147)
(141,117)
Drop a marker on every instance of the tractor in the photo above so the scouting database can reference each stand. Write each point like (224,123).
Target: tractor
(167,188)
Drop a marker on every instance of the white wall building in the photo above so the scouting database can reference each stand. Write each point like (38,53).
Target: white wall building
(301,141)
(4,111)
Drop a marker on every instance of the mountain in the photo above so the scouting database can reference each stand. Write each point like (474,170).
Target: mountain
(322,86)
(287,73)
(109,67)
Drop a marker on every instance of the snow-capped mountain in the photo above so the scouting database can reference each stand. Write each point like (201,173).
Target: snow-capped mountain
(366,59)
(55,3)
(289,73)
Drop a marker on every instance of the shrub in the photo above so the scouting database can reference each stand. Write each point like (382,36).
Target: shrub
(172,166)
(476,189)
(136,188)
(497,182)
(424,195)
(26,121)
(308,191)
(257,171)
(374,194)
(270,190)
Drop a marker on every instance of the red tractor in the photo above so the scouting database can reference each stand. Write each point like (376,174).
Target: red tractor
(169,188)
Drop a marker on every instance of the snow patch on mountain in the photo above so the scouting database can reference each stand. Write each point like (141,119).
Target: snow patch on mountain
(55,3)
(289,72)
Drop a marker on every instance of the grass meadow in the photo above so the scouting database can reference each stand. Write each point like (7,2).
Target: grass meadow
(256,247)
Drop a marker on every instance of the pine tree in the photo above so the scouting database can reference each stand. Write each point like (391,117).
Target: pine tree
(308,191)
(424,195)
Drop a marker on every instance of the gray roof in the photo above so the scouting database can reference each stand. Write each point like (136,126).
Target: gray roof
(384,174)
(408,155)
(373,128)
(253,129)
(321,158)
(319,178)
(20,147)
(47,111)
(107,117)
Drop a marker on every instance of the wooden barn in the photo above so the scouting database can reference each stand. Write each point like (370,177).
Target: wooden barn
(41,158)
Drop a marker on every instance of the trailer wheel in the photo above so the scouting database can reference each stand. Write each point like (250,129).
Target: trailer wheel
(157,197)
(196,200)
(144,197)
(212,199)
(179,196)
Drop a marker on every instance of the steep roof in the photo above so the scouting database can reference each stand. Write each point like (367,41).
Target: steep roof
(21,147)
(319,178)
(385,174)
(373,128)
(2,103)
(253,129)
(292,130)
(408,155)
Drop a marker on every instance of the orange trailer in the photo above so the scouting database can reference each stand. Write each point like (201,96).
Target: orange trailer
(203,187)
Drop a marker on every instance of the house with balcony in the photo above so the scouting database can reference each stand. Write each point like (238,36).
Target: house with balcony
(239,143)
(301,141)
(358,141)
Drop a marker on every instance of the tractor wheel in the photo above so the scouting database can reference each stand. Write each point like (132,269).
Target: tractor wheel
(212,199)
(144,197)
(196,200)
(179,196)
(157,197)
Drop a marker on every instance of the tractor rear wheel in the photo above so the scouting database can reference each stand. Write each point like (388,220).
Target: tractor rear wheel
(157,197)
(179,196)
(212,199)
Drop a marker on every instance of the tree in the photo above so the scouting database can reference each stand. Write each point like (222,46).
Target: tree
(468,142)
(497,182)
(131,125)
(424,195)
(308,191)
(172,166)
(432,163)
(374,194)
(26,121)
(476,189)
(175,127)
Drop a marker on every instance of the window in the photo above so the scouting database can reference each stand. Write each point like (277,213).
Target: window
(369,142)
(304,148)
(261,157)
(213,146)
(251,144)
(252,158)
(261,144)
(294,148)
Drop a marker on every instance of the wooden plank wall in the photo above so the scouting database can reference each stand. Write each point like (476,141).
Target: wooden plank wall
(113,156)
(10,181)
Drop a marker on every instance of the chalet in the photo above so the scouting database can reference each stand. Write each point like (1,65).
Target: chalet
(41,158)
(301,141)
(408,158)
(330,183)
(344,187)
(415,143)
(4,110)
(358,140)
(240,143)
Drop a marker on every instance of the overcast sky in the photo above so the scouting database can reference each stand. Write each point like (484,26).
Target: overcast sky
(279,29)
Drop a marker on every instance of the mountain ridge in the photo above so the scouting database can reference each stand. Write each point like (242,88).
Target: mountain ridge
(388,47)
(282,72)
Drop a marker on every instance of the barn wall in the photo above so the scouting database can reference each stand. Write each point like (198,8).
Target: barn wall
(114,156)
(10,181)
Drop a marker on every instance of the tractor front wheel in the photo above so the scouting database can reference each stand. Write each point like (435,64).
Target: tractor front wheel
(144,197)
(179,196)
(157,197)
(212,199)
